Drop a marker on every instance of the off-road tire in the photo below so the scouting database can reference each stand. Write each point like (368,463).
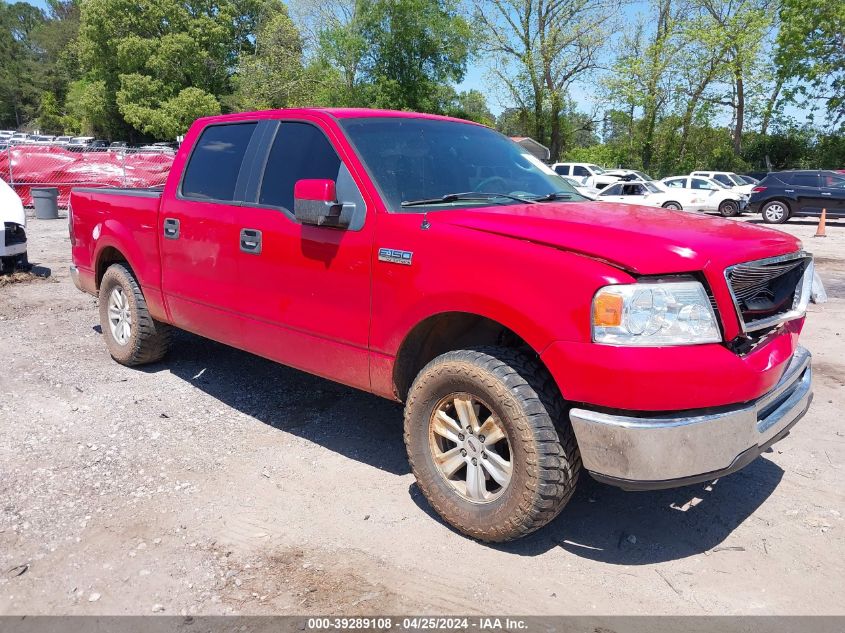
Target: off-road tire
(149,339)
(544,452)
(768,219)
(729,208)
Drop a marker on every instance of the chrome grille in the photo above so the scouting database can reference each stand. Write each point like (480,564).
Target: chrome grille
(768,291)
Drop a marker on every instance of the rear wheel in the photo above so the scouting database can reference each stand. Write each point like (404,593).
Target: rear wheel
(674,206)
(489,442)
(132,335)
(775,212)
(729,208)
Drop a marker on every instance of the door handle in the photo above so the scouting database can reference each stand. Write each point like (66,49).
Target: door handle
(171,228)
(826,193)
(251,241)
(789,190)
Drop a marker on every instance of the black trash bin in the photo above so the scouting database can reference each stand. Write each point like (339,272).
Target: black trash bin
(46,201)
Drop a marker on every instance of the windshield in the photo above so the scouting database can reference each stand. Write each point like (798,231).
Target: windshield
(421,161)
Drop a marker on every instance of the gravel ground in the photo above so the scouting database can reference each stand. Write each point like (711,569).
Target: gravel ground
(217,482)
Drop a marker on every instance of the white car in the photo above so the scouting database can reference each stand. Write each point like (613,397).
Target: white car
(594,175)
(629,175)
(13,222)
(727,178)
(715,196)
(651,195)
(581,187)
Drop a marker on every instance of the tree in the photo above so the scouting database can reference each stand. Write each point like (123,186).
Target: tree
(539,48)
(148,52)
(811,48)
(20,82)
(274,75)
(413,46)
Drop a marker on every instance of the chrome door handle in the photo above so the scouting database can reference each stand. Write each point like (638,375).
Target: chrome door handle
(826,193)
(171,228)
(251,241)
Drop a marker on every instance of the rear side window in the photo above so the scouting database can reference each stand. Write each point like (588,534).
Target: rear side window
(299,151)
(215,163)
(563,170)
(804,180)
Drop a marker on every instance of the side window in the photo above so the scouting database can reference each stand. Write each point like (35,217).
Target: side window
(215,162)
(829,180)
(300,150)
(562,170)
(578,170)
(722,178)
(698,183)
(613,190)
(632,190)
(676,183)
(805,180)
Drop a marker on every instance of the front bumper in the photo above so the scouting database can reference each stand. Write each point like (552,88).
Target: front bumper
(669,450)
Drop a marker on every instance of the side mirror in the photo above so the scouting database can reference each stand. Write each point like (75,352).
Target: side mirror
(315,202)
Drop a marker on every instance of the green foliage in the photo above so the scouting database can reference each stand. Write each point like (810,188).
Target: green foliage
(86,108)
(274,76)
(163,62)
(811,48)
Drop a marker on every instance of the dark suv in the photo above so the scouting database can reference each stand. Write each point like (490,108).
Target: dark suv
(784,194)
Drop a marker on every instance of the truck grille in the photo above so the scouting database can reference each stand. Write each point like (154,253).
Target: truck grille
(14,234)
(769,291)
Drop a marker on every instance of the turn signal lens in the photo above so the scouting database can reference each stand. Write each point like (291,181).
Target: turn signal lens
(607,309)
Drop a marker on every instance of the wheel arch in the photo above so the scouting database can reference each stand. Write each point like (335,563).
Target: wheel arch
(107,256)
(447,332)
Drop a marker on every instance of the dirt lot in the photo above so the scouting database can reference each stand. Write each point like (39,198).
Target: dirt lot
(217,482)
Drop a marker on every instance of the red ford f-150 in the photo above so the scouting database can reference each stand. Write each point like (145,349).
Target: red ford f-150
(531,333)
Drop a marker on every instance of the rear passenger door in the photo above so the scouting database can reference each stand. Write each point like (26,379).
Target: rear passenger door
(805,187)
(305,291)
(198,234)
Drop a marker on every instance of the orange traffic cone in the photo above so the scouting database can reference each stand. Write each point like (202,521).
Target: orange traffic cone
(820,230)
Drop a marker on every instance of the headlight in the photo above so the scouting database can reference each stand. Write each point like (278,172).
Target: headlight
(654,314)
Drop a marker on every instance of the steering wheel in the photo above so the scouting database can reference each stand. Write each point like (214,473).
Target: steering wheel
(480,186)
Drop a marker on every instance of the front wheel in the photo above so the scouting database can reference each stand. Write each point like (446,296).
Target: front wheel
(729,208)
(674,206)
(489,442)
(775,212)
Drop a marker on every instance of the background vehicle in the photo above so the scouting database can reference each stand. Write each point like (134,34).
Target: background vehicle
(13,222)
(649,194)
(748,180)
(712,196)
(585,190)
(785,194)
(727,178)
(410,255)
(593,175)
(629,175)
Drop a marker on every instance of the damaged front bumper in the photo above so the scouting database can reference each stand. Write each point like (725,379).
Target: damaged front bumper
(666,451)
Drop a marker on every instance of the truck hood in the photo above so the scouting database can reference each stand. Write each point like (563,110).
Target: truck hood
(642,240)
(11,207)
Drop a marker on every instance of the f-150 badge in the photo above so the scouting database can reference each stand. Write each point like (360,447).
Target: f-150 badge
(395,256)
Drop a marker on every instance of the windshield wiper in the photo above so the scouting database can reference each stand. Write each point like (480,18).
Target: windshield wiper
(555,195)
(467,195)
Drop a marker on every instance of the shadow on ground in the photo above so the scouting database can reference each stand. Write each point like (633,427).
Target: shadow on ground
(601,523)
(347,421)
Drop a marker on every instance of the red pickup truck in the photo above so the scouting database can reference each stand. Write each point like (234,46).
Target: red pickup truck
(530,332)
